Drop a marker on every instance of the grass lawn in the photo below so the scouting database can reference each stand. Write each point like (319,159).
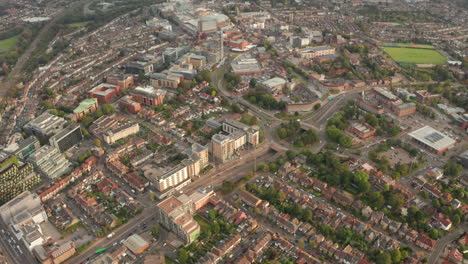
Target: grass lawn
(417,56)
(7,44)
(78,24)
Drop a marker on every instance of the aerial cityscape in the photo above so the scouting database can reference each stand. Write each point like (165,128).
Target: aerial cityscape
(233,132)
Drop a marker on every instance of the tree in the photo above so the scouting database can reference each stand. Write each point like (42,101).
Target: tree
(395,200)
(404,254)
(212,214)
(361,179)
(98,113)
(371,119)
(97,143)
(317,106)
(107,108)
(216,228)
(253,121)
(253,83)
(308,215)
(152,196)
(155,231)
(290,154)
(395,255)
(452,169)
(86,121)
(376,200)
(183,256)
(456,219)
(383,258)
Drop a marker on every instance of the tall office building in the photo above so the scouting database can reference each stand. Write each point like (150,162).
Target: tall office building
(15,177)
(50,162)
(67,138)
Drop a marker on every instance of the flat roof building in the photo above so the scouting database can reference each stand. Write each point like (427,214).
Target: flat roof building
(405,109)
(136,244)
(275,85)
(104,92)
(432,140)
(85,107)
(246,64)
(50,162)
(26,147)
(45,125)
(176,215)
(362,130)
(148,95)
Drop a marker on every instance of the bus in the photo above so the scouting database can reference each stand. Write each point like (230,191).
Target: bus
(100,250)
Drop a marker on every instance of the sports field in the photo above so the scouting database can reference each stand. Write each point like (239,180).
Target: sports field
(7,44)
(415,55)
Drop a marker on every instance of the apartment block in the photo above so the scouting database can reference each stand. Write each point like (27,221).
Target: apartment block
(168,179)
(15,177)
(175,214)
(222,148)
(50,162)
(235,136)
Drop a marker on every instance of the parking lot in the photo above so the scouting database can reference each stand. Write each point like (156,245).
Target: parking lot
(396,155)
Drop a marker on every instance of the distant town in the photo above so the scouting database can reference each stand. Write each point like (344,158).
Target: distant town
(256,131)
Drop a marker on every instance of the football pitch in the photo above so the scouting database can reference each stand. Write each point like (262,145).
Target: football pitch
(415,55)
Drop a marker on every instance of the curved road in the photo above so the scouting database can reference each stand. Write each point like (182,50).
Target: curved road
(442,243)
(16,73)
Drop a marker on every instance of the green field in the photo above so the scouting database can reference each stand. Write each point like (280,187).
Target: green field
(8,43)
(78,24)
(417,56)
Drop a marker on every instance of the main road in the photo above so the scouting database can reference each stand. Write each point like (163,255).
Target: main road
(146,218)
(15,251)
(443,242)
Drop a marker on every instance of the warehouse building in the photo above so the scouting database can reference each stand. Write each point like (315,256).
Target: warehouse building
(432,140)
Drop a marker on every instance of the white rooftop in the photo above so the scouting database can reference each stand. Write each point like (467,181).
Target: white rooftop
(273,82)
(432,138)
